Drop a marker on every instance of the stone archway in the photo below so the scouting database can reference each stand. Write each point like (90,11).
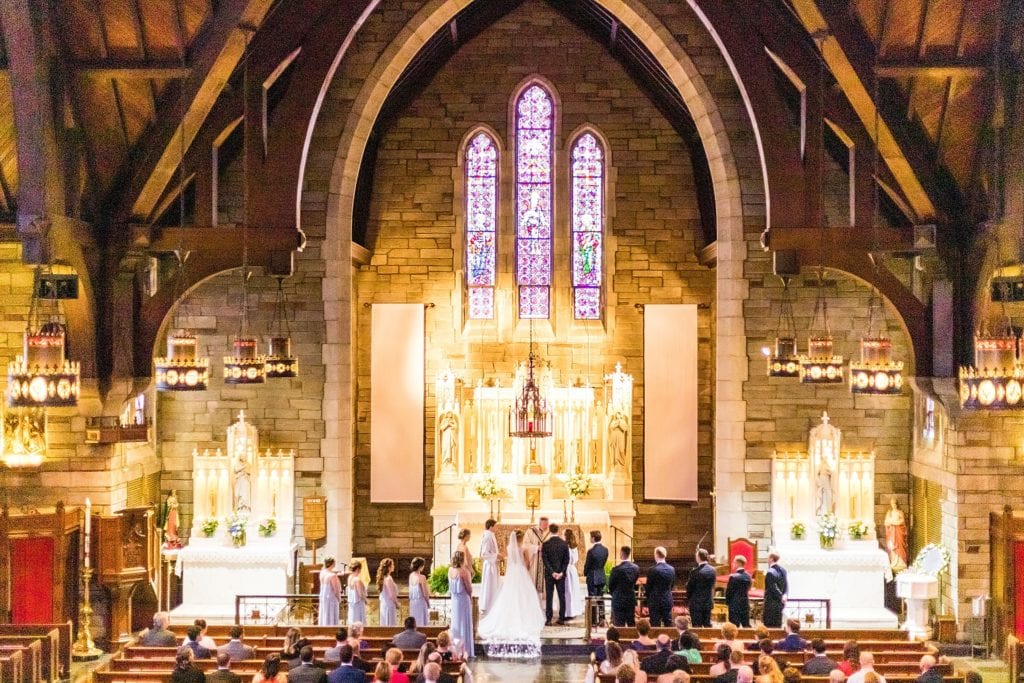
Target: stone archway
(731,356)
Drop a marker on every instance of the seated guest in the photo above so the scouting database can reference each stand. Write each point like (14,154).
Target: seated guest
(611,663)
(431,673)
(610,636)
(333,654)
(682,625)
(792,642)
(235,648)
(819,664)
(688,649)
(767,647)
(393,658)
(791,675)
(745,674)
(723,655)
(355,637)
(292,650)
(643,639)
(928,672)
(837,676)
(655,664)
(631,661)
(205,640)
(382,674)
(416,667)
(444,646)
(192,638)
(851,658)
(223,672)
(625,675)
(729,637)
(442,676)
(159,634)
(185,670)
(767,670)
(867,667)
(345,673)
(735,664)
(760,633)
(410,638)
(272,671)
(676,676)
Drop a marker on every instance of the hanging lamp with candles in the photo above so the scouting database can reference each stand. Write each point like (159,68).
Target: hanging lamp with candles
(530,417)
(820,364)
(783,360)
(182,369)
(996,380)
(280,361)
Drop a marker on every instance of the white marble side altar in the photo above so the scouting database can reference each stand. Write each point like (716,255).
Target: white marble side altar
(852,576)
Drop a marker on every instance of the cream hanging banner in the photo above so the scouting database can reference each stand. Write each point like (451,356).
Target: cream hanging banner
(396,403)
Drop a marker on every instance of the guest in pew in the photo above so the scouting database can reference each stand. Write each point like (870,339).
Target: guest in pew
(271,672)
(791,675)
(205,640)
(382,674)
(735,664)
(631,660)
(185,670)
(873,677)
(933,650)
(410,638)
(417,667)
(655,664)
(611,663)
(760,633)
(223,672)
(867,666)
(159,634)
(643,636)
(836,676)
(442,676)
(431,673)
(767,647)
(682,625)
(768,670)
(444,646)
(745,674)
(192,639)
(723,663)
(928,672)
(293,643)
(610,636)
(792,642)
(393,657)
(346,672)
(819,664)
(851,658)
(625,675)
(677,676)
(689,649)
(235,648)
(355,637)
(333,654)
(729,637)
(737,593)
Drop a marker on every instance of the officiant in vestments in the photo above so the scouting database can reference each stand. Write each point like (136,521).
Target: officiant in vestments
(535,538)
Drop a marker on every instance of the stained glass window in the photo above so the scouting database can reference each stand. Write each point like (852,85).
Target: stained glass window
(481,222)
(587,226)
(534,128)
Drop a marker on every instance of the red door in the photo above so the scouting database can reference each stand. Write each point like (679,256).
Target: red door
(1018,588)
(32,580)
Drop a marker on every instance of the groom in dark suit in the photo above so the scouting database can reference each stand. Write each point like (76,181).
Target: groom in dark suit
(555,554)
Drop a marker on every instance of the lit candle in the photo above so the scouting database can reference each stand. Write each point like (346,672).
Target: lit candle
(88,529)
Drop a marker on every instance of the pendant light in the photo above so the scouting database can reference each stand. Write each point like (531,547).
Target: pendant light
(280,361)
(245,365)
(530,417)
(784,361)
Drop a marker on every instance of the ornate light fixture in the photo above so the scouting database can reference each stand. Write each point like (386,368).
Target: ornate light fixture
(280,361)
(43,376)
(820,365)
(996,381)
(784,361)
(530,418)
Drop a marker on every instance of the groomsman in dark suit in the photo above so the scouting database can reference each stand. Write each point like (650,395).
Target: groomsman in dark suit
(593,571)
(555,554)
(737,594)
(622,586)
(776,587)
(700,588)
(660,579)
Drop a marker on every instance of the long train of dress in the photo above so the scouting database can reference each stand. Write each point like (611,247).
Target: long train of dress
(511,628)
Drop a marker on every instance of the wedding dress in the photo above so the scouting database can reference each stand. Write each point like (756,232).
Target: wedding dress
(513,624)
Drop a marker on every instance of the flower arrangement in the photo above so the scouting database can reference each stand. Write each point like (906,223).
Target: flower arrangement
(578,485)
(857,530)
(209,526)
(236,524)
(488,487)
(926,554)
(268,527)
(828,530)
(437,581)
(797,530)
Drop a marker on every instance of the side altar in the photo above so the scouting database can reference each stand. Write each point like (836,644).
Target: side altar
(591,436)
(828,483)
(242,523)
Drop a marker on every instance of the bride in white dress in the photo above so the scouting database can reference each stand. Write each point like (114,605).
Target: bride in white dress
(512,626)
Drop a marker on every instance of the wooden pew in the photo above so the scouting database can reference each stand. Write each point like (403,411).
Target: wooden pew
(65,638)
(49,647)
(907,678)
(31,660)
(11,666)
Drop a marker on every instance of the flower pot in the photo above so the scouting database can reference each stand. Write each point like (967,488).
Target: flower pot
(827,542)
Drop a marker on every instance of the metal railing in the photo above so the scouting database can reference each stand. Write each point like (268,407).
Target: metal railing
(302,608)
(444,554)
(618,534)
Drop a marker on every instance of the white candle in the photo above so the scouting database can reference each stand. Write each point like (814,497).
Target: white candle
(88,529)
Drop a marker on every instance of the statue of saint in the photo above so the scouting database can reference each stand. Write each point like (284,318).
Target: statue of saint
(449,444)
(171,523)
(243,484)
(896,535)
(618,428)
(824,448)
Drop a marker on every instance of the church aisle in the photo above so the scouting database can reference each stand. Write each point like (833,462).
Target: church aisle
(548,670)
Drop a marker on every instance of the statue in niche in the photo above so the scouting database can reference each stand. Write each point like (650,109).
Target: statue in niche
(618,429)
(449,442)
(824,500)
(824,445)
(171,523)
(243,483)
(896,535)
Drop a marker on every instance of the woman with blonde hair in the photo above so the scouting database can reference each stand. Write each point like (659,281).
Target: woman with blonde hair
(356,594)
(730,633)
(382,674)
(768,670)
(631,660)
(387,593)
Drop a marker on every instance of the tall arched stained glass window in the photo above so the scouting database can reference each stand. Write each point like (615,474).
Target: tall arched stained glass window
(534,130)
(587,226)
(481,223)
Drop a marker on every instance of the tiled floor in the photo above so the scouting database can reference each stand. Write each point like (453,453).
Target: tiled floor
(552,670)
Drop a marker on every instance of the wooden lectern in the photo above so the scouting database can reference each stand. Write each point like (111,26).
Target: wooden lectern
(128,556)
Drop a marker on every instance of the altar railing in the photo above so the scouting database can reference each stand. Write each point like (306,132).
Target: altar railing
(302,608)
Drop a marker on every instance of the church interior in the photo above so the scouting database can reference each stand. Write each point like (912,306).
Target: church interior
(288,280)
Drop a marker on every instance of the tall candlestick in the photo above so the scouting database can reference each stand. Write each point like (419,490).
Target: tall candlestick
(88,529)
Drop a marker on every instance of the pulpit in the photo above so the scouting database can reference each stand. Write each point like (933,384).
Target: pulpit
(918,586)
(39,566)
(127,556)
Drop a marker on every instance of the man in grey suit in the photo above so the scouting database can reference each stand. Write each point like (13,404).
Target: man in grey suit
(223,673)
(158,635)
(308,672)
(235,648)
(333,654)
(410,638)
(819,664)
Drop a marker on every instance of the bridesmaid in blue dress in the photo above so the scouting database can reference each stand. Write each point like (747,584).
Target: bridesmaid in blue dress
(330,595)
(356,594)
(388,593)
(460,588)
(419,605)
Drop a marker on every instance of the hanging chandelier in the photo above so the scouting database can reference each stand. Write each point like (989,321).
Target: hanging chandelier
(529,417)
(996,381)
(784,361)
(876,373)
(182,369)
(280,361)
(820,365)
(245,365)
(42,376)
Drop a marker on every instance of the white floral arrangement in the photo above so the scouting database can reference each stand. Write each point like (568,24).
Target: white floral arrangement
(209,526)
(268,527)
(578,485)
(828,526)
(857,530)
(918,565)
(488,487)
(236,524)
(797,530)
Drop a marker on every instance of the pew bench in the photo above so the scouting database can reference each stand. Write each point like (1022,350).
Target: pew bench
(65,638)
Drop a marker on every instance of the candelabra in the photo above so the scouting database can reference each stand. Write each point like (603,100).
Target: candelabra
(84,649)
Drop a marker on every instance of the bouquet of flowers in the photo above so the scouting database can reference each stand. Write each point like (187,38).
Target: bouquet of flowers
(209,526)
(828,529)
(797,531)
(578,485)
(488,487)
(926,553)
(857,530)
(236,528)
(268,527)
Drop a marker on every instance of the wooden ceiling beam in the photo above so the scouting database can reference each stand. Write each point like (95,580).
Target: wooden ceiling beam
(215,54)
(126,69)
(937,68)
